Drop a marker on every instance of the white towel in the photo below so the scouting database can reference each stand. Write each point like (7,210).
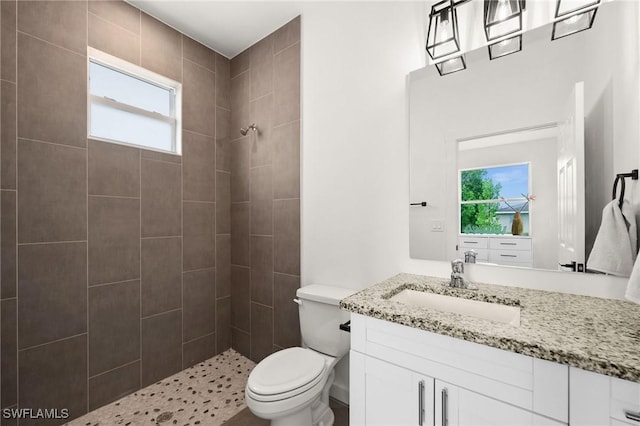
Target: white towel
(616,247)
(633,286)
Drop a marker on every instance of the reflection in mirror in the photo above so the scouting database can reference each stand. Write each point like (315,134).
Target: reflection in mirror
(526,134)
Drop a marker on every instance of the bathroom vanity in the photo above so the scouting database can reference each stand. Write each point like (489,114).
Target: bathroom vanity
(495,356)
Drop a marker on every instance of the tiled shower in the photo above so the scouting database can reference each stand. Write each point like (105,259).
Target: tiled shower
(121,266)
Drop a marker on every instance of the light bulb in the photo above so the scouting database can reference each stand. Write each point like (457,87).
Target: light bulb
(503,10)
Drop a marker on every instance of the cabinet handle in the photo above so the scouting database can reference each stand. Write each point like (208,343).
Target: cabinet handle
(470,242)
(508,255)
(420,402)
(635,416)
(508,244)
(445,407)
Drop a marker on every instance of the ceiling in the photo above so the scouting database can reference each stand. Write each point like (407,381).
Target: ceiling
(228,27)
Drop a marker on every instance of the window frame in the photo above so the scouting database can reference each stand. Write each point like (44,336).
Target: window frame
(134,71)
(494,201)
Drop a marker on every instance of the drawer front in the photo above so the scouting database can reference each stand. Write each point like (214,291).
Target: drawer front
(473,242)
(510,244)
(509,256)
(625,400)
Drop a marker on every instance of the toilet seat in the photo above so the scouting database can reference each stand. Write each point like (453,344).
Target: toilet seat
(285,374)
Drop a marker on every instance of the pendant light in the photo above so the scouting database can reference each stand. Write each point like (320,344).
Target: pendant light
(576,16)
(442,38)
(452,65)
(502,17)
(505,47)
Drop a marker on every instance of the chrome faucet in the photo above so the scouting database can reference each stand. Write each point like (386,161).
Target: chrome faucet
(457,280)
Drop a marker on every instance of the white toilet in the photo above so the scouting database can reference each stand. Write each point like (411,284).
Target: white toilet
(291,386)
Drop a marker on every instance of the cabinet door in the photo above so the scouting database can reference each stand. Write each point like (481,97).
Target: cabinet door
(396,396)
(455,406)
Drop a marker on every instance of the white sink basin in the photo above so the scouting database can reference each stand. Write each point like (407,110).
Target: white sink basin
(457,305)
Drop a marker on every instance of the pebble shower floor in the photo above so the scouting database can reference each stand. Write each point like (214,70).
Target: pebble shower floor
(209,393)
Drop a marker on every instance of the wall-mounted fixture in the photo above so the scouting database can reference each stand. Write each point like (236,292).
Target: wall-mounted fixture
(442,38)
(502,17)
(245,130)
(577,15)
(449,66)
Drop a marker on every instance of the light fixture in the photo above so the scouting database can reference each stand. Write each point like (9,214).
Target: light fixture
(577,15)
(442,38)
(505,47)
(502,17)
(452,65)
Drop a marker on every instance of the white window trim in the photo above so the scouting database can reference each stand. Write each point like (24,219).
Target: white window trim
(120,65)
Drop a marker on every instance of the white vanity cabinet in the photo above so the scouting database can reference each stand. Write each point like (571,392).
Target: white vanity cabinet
(499,249)
(483,385)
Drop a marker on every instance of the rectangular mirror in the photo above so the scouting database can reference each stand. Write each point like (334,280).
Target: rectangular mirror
(534,138)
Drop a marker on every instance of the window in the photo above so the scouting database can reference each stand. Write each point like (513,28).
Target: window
(490,197)
(133,106)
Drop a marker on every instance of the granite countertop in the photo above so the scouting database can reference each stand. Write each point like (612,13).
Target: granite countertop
(595,334)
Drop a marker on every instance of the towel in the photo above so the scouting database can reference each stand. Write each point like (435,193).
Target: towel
(633,286)
(616,247)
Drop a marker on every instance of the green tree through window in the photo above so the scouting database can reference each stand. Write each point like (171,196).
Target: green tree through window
(479,218)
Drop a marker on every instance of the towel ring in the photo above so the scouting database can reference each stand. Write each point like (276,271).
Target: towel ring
(615,189)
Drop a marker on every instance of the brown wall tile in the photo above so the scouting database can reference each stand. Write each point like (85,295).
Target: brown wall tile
(63,23)
(262,270)
(113,385)
(240,159)
(199,250)
(198,99)
(223,82)
(114,326)
(8,9)
(287,35)
(199,350)
(114,39)
(261,111)
(52,201)
(261,60)
(223,324)
(199,175)
(286,236)
(9,249)
(240,254)
(161,275)
(198,53)
(223,265)
(52,285)
(7,135)
(261,201)
(161,48)
(261,332)
(223,148)
(161,346)
(240,97)
(117,12)
(113,169)
(240,301)
(286,161)
(223,203)
(286,85)
(55,376)
(161,191)
(8,353)
(241,342)
(147,154)
(239,63)
(51,112)
(114,239)
(286,316)
(199,304)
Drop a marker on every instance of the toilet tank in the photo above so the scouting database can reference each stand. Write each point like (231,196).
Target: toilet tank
(320,318)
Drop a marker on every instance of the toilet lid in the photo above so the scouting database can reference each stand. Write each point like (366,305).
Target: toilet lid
(285,370)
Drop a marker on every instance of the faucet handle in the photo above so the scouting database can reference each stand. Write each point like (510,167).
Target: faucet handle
(457,266)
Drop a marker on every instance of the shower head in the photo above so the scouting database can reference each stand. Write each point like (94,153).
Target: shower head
(245,130)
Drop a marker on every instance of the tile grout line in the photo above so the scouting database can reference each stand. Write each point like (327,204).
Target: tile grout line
(17,287)
(141,352)
(102,373)
(83,55)
(39,345)
(182,225)
(87,216)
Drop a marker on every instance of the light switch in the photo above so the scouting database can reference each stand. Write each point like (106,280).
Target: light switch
(437,226)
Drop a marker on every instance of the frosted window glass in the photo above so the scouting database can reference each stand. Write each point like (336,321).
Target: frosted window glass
(118,125)
(126,89)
